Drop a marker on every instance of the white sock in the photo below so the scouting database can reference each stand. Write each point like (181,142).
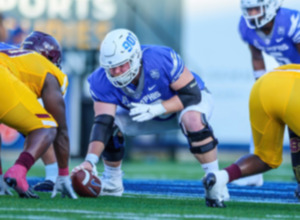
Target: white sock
(224,176)
(112,170)
(210,167)
(51,172)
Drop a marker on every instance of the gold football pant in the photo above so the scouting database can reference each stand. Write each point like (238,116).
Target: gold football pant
(19,106)
(274,103)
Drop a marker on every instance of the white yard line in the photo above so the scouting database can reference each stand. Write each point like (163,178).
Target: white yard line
(31,217)
(117,215)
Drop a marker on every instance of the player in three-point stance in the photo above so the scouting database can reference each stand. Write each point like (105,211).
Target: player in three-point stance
(144,90)
(27,74)
(269,28)
(274,103)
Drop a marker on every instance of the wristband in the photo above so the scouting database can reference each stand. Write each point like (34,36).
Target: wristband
(258,73)
(92,158)
(63,171)
(159,109)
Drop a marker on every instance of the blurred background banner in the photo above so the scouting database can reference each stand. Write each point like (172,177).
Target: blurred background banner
(79,26)
(203,32)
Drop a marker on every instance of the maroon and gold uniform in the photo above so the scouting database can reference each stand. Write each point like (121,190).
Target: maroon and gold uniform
(274,103)
(23,73)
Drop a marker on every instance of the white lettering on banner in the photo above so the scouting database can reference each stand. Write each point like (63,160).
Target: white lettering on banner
(34,9)
(82,9)
(59,9)
(6,5)
(104,9)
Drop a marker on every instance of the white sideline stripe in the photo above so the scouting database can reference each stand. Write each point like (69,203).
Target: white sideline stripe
(282,216)
(37,217)
(122,215)
(184,196)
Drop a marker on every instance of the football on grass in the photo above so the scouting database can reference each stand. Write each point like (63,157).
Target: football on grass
(85,184)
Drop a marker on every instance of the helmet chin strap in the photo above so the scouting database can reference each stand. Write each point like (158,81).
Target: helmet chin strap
(140,86)
(268,27)
(136,80)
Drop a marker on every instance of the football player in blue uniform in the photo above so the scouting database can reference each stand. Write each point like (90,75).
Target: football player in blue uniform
(3,34)
(267,27)
(144,90)
(4,46)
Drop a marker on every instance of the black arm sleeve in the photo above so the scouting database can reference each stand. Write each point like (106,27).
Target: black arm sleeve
(190,94)
(102,128)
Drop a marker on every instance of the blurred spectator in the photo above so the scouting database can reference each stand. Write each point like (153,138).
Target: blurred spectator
(12,34)
(3,34)
(16,36)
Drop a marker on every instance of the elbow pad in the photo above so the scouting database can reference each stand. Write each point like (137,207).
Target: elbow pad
(102,128)
(190,94)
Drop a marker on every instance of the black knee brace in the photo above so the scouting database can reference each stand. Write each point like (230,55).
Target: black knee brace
(114,149)
(200,136)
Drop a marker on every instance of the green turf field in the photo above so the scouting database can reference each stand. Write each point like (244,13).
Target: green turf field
(132,206)
(139,207)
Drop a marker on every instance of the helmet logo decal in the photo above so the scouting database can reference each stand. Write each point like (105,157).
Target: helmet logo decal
(129,42)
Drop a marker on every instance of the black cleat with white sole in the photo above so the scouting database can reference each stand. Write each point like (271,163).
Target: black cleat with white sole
(208,182)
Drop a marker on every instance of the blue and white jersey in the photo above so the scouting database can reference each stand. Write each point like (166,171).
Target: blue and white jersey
(281,43)
(5,46)
(161,66)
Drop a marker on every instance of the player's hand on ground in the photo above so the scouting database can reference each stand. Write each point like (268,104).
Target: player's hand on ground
(4,189)
(87,166)
(144,112)
(63,185)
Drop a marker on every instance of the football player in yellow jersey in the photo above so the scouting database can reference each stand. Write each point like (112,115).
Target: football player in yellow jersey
(274,102)
(26,76)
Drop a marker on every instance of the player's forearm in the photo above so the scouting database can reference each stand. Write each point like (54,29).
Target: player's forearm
(96,147)
(258,68)
(258,64)
(172,105)
(62,148)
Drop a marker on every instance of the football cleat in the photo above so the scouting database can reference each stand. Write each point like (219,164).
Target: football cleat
(214,203)
(215,189)
(45,186)
(225,194)
(4,189)
(15,177)
(297,192)
(112,185)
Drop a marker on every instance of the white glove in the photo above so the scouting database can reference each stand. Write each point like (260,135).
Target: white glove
(145,112)
(63,185)
(4,189)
